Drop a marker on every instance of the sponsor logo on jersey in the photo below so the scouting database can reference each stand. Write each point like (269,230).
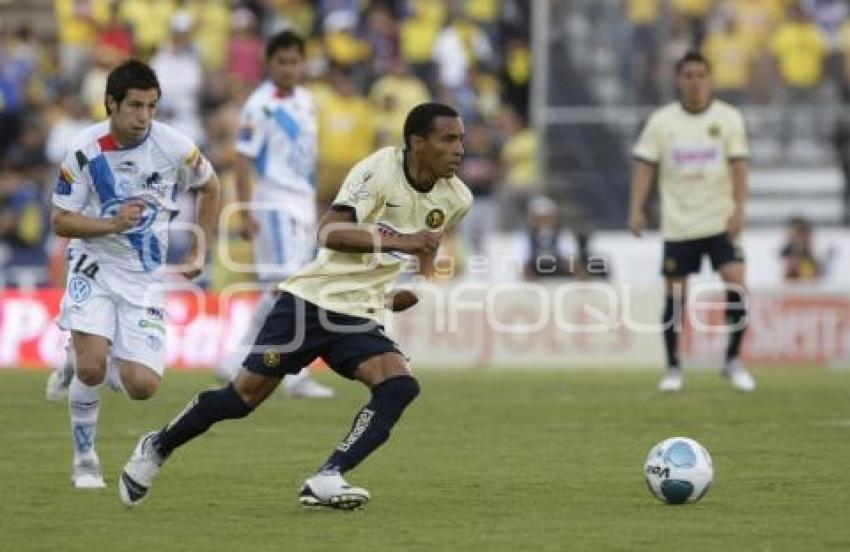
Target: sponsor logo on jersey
(152,325)
(155,313)
(149,213)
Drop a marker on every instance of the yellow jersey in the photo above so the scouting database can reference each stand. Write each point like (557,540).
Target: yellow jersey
(692,154)
(382,198)
(800,50)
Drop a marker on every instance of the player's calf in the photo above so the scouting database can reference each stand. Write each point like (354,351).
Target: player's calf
(372,425)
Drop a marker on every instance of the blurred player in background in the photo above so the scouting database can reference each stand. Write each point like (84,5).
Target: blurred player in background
(697,148)
(277,144)
(115,198)
(394,206)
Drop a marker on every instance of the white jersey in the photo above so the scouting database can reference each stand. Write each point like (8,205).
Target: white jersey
(278,131)
(97,177)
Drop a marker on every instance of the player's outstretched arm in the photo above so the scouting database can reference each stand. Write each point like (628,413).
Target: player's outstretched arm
(69,224)
(338,230)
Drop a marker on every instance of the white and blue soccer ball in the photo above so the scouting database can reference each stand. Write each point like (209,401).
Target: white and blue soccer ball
(678,470)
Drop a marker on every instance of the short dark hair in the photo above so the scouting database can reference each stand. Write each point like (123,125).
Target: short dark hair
(130,74)
(283,41)
(420,120)
(692,56)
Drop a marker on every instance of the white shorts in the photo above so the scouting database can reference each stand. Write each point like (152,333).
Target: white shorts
(283,245)
(127,308)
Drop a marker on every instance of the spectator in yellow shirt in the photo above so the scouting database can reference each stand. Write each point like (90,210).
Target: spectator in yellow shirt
(346,133)
(731,56)
(418,34)
(518,159)
(342,46)
(150,21)
(799,51)
(393,96)
(77,23)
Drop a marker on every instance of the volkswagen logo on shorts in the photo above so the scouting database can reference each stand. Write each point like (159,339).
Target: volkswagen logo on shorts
(111,207)
(79,289)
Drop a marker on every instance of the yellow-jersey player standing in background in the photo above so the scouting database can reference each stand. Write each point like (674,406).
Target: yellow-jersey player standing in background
(394,206)
(697,148)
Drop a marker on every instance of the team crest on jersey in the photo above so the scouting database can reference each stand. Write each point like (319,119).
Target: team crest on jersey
(435,218)
(155,182)
(79,289)
(271,359)
(714,131)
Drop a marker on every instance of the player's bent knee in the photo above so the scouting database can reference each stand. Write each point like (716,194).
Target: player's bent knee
(142,390)
(91,370)
(404,388)
(139,381)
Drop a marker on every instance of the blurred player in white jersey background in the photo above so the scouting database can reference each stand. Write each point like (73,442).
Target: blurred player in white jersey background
(277,143)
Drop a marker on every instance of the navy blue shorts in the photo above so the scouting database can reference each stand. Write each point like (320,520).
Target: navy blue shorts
(296,332)
(685,257)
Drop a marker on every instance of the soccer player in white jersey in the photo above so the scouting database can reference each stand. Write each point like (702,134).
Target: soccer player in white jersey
(697,148)
(394,204)
(277,145)
(115,197)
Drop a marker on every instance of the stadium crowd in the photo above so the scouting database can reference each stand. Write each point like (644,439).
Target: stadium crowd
(753,45)
(369,62)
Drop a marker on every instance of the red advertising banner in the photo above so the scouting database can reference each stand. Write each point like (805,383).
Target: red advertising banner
(508,329)
(784,329)
(200,326)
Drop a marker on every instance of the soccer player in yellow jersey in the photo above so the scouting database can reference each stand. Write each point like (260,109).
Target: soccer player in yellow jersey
(394,206)
(697,148)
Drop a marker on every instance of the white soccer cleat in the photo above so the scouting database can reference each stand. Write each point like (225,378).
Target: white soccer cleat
(332,491)
(305,387)
(738,376)
(139,471)
(59,381)
(672,382)
(86,473)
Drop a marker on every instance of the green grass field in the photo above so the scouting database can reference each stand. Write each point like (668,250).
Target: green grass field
(494,461)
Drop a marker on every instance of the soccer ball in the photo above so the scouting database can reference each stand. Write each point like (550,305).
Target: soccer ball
(678,470)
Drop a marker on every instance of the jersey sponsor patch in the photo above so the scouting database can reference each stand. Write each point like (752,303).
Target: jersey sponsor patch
(79,289)
(149,213)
